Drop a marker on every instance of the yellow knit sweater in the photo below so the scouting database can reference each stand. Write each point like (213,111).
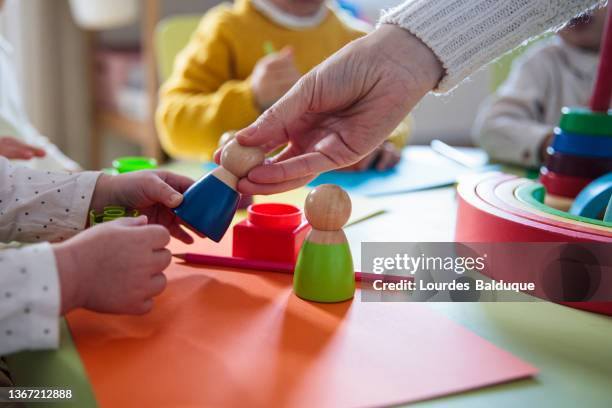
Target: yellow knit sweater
(209,91)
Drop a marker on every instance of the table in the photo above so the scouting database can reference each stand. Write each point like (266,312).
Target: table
(573,349)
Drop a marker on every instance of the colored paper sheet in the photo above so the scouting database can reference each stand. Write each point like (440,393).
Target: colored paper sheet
(231,338)
(420,168)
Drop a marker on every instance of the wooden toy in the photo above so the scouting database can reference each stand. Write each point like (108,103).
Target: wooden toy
(499,192)
(210,204)
(608,213)
(592,200)
(582,144)
(503,195)
(324,269)
(558,202)
(576,166)
(269,266)
(481,221)
(560,185)
(271,232)
(585,121)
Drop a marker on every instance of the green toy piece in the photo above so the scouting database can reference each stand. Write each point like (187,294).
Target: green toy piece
(584,121)
(324,273)
(324,268)
(110,213)
(134,163)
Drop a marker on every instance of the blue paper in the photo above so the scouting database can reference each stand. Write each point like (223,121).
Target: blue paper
(420,168)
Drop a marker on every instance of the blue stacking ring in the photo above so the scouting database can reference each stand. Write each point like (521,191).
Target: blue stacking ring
(582,145)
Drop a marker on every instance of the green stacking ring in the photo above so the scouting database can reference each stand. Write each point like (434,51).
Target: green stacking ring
(109,213)
(533,194)
(584,121)
(134,163)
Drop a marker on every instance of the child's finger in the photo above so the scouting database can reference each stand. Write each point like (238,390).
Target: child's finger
(158,284)
(158,191)
(132,221)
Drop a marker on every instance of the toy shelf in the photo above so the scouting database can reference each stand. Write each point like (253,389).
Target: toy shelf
(105,121)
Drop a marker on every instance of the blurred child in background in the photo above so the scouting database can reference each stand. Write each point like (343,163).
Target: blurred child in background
(516,125)
(240,61)
(19,139)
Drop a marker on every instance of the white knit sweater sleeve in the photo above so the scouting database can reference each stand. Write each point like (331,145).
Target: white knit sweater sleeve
(467,34)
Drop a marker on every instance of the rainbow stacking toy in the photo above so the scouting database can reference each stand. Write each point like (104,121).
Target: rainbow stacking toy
(572,203)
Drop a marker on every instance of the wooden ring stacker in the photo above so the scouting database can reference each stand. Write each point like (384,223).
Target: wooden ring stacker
(558,202)
(530,193)
(479,221)
(582,145)
(586,121)
(593,199)
(577,166)
(560,185)
(499,192)
(506,192)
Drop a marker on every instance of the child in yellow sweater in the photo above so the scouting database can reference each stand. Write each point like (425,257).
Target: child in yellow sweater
(223,80)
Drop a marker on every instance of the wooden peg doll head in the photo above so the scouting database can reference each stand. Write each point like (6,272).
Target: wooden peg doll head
(328,207)
(239,160)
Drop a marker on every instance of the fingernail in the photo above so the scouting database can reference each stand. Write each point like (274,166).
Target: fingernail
(175,200)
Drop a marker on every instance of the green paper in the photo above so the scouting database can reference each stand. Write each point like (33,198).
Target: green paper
(61,368)
(324,273)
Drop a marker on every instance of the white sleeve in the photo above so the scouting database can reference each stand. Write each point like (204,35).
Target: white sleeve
(54,159)
(511,126)
(29,299)
(38,205)
(467,34)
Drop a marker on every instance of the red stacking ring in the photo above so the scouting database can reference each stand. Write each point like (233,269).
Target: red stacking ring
(560,185)
(576,166)
(273,215)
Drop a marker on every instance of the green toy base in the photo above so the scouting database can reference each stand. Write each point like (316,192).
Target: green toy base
(324,273)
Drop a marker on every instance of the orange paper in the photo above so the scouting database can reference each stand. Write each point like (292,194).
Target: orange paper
(231,338)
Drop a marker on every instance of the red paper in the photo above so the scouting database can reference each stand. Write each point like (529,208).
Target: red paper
(229,338)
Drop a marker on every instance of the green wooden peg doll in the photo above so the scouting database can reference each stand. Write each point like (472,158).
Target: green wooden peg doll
(324,269)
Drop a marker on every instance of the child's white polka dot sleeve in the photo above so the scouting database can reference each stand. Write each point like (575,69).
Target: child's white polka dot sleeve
(29,299)
(38,205)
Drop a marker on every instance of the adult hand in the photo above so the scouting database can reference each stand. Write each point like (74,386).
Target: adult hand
(341,110)
(273,76)
(385,157)
(152,193)
(115,267)
(15,149)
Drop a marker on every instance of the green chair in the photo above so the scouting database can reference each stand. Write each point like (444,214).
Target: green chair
(171,36)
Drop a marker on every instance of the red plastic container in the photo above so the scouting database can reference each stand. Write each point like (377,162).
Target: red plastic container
(271,232)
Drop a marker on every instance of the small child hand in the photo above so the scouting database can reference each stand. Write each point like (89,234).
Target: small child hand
(385,157)
(152,193)
(114,267)
(15,149)
(273,76)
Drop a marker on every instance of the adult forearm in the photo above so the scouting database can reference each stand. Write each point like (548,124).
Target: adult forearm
(467,34)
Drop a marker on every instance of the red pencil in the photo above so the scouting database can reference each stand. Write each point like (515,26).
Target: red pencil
(268,266)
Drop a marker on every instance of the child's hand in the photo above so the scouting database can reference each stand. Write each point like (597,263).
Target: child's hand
(15,149)
(152,193)
(115,267)
(386,157)
(273,76)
